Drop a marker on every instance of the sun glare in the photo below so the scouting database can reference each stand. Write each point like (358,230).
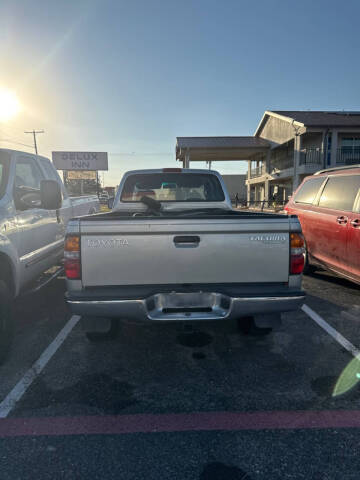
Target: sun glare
(9,104)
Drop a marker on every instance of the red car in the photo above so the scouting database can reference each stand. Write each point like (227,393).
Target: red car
(328,207)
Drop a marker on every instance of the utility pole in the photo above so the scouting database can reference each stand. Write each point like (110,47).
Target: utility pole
(34,132)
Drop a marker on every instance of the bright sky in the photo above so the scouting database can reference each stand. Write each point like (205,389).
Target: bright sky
(128,76)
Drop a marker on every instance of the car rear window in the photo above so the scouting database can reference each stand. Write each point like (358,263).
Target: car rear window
(309,190)
(173,187)
(340,192)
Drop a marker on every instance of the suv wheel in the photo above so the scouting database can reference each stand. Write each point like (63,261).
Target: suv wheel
(308,268)
(6,322)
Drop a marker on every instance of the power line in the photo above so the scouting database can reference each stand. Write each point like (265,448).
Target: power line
(8,129)
(141,154)
(13,138)
(35,132)
(7,140)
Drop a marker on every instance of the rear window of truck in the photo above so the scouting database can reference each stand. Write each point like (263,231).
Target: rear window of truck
(309,190)
(173,187)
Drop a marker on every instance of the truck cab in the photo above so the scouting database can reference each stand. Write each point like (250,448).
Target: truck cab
(34,211)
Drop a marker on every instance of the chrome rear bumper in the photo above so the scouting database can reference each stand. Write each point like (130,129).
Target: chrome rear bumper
(167,307)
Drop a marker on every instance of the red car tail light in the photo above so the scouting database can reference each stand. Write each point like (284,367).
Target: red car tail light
(297,253)
(72,264)
(172,170)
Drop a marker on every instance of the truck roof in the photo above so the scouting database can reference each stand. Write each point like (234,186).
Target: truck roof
(11,151)
(171,170)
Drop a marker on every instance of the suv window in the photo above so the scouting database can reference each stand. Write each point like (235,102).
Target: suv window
(340,192)
(309,190)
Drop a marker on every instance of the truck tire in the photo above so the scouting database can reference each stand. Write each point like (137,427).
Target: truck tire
(6,321)
(247,326)
(111,334)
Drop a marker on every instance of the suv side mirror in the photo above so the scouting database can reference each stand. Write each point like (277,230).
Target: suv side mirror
(50,194)
(110,203)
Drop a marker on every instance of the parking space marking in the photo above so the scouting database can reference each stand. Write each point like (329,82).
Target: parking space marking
(179,422)
(21,387)
(331,331)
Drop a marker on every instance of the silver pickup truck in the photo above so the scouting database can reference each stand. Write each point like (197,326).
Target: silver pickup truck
(34,210)
(173,249)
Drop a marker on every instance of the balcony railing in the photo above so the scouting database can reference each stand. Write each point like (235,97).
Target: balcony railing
(257,172)
(281,164)
(311,156)
(348,155)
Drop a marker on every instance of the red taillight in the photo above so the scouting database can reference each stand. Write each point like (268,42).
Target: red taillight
(297,264)
(172,170)
(72,269)
(72,263)
(297,253)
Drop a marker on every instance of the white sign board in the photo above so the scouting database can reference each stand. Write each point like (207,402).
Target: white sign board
(81,175)
(80,160)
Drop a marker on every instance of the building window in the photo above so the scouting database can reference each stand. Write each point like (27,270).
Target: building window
(349,152)
(349,143)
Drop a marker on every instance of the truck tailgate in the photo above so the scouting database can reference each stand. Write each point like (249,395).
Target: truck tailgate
(183,251)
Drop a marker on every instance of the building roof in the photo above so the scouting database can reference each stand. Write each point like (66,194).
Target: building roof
(219,148)
(322,118)
(312,118)
(220,142)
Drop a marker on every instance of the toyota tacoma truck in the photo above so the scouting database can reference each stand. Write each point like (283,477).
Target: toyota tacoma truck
(34,211)
(172,249)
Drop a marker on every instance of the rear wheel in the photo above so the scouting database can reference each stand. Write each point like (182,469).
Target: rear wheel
(247,326)
(110,334)
(6,321)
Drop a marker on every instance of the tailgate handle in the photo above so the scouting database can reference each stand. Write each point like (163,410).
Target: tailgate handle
(190,240)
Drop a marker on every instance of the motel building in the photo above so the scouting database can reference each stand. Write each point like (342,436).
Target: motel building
(286,147)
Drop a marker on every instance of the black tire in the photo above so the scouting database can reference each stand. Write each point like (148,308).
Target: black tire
(6,321)
(308,268)
(247,326)
(111,334)
(244,324)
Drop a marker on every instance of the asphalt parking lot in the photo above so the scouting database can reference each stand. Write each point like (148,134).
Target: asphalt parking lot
(164,403)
